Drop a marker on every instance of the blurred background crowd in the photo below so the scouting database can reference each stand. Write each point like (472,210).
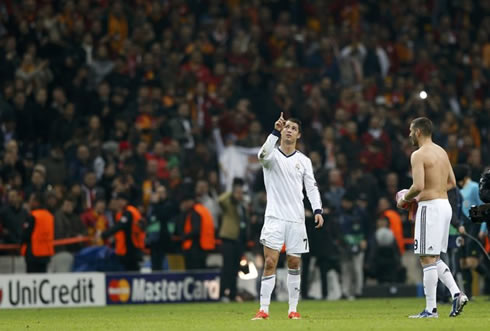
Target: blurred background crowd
(157,99)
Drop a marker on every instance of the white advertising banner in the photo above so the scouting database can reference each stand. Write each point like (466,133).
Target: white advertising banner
(52,290)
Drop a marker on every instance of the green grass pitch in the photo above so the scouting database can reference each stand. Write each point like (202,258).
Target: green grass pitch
(364,314)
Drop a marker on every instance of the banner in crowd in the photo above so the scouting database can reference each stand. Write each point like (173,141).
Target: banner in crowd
(52,290)
(162,287)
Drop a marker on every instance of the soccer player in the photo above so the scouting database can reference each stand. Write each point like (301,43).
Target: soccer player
(432,176)
(285,172)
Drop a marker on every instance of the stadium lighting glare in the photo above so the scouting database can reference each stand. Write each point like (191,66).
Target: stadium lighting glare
(423,95)
(252,272)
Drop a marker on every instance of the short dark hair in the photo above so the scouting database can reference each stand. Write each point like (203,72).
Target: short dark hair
(238,181)
(461,171)
(297,121)
(424,125)
(70,198)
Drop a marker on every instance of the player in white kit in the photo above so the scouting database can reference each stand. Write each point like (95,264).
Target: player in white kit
(286,170)
(432,176)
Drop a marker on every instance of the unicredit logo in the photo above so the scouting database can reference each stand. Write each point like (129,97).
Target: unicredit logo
(44,292)
(119,290)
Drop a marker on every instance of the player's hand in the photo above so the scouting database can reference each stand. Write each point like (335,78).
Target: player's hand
(461,229)
(403,204)
(280,123)
(318,221)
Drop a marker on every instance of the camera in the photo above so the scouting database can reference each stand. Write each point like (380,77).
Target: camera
(480,214)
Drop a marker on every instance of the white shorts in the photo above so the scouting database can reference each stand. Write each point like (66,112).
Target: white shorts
(276,233)
(432,223)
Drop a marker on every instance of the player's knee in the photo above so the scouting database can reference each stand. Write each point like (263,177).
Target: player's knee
(424,260)
(293,263)
(270,263)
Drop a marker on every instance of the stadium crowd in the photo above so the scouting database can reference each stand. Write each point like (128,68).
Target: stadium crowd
(156,99)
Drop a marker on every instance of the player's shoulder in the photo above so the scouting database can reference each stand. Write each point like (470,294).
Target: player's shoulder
(302,156)
(419,154)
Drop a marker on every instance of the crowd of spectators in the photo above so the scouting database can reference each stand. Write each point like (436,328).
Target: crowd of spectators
(100,97)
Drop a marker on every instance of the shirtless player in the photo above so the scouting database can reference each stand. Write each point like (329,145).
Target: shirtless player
(432,177)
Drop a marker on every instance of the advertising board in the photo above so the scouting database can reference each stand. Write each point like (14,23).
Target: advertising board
(52,290)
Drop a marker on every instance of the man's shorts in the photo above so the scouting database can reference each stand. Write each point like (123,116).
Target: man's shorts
(276,233)
(432,227)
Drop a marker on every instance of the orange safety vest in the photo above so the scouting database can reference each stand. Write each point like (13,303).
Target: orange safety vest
(206,237)
(137,233)
(396,227)
(42,237)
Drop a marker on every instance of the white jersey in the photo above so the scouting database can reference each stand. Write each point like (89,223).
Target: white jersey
(284,176)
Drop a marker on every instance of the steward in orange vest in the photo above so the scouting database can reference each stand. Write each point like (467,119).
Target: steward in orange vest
(38,236)
(128,234)
(197,229)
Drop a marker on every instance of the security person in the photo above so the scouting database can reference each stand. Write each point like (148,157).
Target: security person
(128,234)
(197,229)
(38,236)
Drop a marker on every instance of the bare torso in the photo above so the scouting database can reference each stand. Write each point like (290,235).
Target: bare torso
(436,172)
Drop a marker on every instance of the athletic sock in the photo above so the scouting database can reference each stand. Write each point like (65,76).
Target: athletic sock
(467,281)
(430,286)
(266,288)
(294,282)
(446,277)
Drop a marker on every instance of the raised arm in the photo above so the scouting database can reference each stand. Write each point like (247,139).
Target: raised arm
(267,148)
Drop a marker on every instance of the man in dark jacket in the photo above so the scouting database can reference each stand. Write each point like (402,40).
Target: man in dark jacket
(353,229)
(324,246)
(12,217)
(383,260)
(67,224)
(55,166)
(233,233)
(161,212)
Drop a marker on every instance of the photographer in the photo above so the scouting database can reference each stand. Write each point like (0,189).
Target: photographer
(470,251)
(484,188)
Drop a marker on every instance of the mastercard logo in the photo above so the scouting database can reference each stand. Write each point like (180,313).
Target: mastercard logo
(119,290)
